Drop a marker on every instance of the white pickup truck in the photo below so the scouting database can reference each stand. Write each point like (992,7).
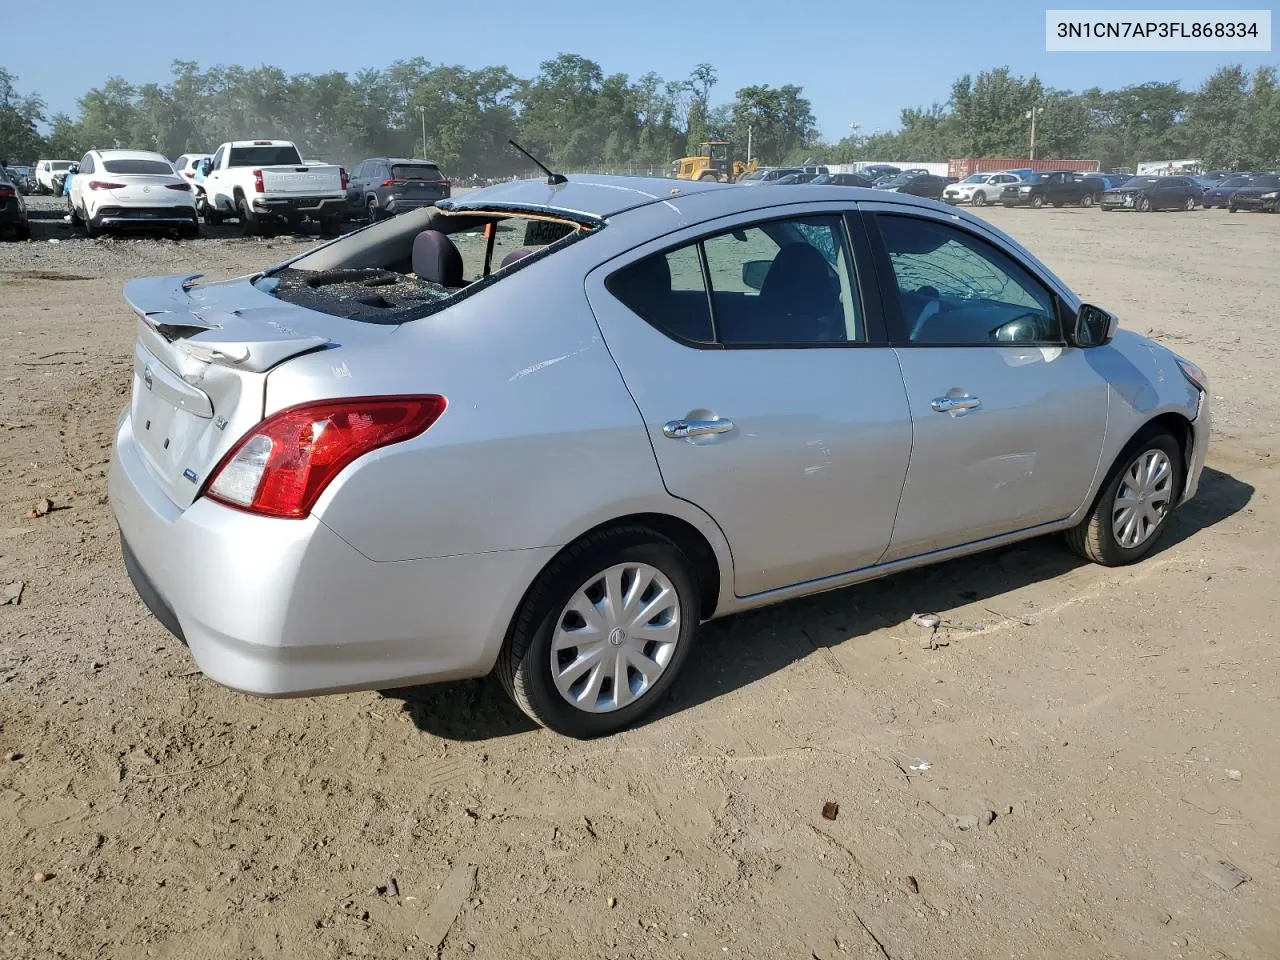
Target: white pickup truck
(266,180)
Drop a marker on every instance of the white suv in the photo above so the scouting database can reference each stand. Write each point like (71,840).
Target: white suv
(980,188)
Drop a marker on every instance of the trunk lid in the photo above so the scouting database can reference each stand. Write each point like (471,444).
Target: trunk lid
(147,189)
(200,367)
(302,180)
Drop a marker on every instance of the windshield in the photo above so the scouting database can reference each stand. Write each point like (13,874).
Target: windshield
(278,156)
(137,167)
(976,178)
(1236,182)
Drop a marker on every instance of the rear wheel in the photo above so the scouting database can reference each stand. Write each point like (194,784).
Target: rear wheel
(1086,200)
(249,224)
(979,199)
(91,229)
(1134,506)
(603,632)
(1190,204)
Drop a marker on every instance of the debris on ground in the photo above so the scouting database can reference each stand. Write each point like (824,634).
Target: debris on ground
(1234,775)
(830,810)
(12,593)
(434,926)
(930,621)
(913,884)
(40,508)
(41,877)
(1226,874)
(964,821)
(13,755)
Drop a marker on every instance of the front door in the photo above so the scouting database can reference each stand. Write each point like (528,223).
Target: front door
(769,396)
(1008,420)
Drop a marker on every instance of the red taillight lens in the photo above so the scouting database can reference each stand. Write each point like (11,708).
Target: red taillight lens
(7,191)
(257,182)
(105,185)
(342,172)
(281,466)
(178,186)
(190,175)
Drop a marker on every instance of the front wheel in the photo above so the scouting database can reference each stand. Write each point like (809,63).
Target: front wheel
(1135,504)
(1086,200)
(1190,204)
(249,224)
(1037,201)
(1144,205)
(979,199)
(602,633)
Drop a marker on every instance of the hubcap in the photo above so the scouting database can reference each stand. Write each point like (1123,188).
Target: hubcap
(1142,502)
(615,637)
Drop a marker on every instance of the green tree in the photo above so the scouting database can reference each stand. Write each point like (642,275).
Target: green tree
(20,115)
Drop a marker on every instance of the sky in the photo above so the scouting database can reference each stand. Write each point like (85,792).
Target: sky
(858,64)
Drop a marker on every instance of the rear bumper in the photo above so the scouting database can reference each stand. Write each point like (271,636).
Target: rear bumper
(12,215)
(302,206)
(143,217)
(401,204)
(288,608)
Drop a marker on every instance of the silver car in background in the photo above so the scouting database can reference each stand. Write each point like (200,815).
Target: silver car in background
(980,189)
(546,429)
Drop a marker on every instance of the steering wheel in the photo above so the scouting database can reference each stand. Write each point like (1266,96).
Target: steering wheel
(928,311)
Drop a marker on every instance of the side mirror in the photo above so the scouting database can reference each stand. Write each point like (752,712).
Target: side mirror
(1094,327)
(206,167)
(754,272)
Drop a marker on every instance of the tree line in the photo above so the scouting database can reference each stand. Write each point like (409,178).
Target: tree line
(574,117)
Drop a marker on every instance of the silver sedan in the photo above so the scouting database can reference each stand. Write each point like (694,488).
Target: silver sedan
(545,430)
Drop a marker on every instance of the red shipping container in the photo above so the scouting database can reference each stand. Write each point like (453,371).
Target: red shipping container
(964,166)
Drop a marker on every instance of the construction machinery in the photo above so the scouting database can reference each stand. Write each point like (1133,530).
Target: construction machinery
(712,163)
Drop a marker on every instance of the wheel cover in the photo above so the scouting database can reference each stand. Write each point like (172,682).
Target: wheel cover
(1143,499)
(615,637)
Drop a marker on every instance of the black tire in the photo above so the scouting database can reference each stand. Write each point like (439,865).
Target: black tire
(1190,204)
(249,222)
(1104,209)
(372,214)
(1086,200)
(1037,201)
(1144,205)
(200,202)
(22,231)
(1232,208)
(1094,538)
(979,199)
(190,231)
(91,229)
(524,665)
(212,215)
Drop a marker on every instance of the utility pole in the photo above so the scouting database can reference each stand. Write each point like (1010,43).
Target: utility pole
(1031,115)
(748,144)
(422,112)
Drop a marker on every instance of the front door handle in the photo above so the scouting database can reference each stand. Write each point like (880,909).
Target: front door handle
(955,404)
(686,429)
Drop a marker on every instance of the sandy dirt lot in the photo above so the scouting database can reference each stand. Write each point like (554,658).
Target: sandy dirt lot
(1119,724)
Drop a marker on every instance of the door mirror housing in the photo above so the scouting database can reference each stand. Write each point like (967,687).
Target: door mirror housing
(1093,326)
(206,167)
(754,272)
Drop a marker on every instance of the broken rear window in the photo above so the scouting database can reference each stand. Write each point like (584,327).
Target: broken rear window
(416,171)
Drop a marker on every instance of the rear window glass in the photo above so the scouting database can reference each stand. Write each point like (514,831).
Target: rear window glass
(265,156)
(60,165)
(139,167)
(416,171)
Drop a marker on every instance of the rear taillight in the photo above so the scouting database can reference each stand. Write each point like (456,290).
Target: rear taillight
(257,182)
(394,183)
(105,185)
(342,172)
(281,466)
(178,186)
(7,191)
(190,175)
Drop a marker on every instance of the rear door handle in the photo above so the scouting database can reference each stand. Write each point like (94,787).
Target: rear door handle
(955,404)
(685,429)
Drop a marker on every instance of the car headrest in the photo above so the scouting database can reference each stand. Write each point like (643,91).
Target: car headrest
(513,256)
(436,259)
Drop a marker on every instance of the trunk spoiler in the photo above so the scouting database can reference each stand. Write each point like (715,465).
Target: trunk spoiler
(227,338)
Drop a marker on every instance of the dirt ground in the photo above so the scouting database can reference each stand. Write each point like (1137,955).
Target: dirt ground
(1119,724)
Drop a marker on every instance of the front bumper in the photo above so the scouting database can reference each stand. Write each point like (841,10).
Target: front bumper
(1015,199)
(288,608)
(301,206)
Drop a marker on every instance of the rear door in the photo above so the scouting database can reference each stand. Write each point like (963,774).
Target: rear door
(755,353)
(1008,421)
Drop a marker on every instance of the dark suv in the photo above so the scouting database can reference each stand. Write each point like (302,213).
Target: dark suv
(384,186)
(1056,187)
(13,209)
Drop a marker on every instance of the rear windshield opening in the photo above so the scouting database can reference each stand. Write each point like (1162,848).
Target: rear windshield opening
(416,171)
(283,156)
(137,167)
(415,264)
